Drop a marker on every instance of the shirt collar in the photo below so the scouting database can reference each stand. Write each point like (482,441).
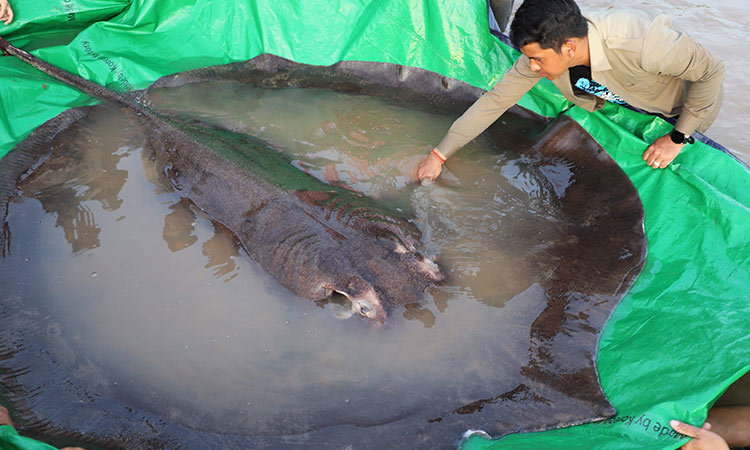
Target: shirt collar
(599,61)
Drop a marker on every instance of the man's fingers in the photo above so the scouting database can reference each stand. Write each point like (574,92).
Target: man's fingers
(686,429)
(649,152)
(6,13)
(5,417)
(706,426)
(649,155)
(429,168)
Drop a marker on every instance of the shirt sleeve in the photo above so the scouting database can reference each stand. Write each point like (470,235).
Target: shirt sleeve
(671,53)
(492,104)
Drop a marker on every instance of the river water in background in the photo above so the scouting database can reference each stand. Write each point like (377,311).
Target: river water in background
(723,27)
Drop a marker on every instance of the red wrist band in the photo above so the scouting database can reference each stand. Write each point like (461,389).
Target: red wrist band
(438,155)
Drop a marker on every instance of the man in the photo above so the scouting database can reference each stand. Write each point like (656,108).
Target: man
(6,13)
(616,56)
(703,437)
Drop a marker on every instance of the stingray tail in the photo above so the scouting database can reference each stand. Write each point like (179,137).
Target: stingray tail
(66,77)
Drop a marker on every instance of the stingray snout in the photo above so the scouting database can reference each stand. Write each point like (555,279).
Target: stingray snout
(368,304)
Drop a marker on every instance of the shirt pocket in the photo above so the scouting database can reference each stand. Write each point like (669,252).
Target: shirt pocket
(646,81)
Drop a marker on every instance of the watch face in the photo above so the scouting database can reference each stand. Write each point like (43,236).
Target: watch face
(677,137)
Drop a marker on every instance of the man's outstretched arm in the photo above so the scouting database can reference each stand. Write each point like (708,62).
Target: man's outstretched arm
(491,105)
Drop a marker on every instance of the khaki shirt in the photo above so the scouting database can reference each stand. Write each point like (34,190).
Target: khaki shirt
(645,62)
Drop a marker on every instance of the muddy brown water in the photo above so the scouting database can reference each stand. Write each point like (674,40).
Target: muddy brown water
(143,307)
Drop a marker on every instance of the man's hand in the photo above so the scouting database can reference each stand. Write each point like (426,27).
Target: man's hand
(6,13)
(661,152)
(703,438)
(429,168)
(5,417)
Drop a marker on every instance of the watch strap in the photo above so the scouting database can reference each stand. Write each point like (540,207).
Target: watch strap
(679,138)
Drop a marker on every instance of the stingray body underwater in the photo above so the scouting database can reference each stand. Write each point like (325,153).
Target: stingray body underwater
(588,272)
(315,239)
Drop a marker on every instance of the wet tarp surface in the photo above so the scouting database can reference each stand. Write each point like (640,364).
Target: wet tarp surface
(696,212)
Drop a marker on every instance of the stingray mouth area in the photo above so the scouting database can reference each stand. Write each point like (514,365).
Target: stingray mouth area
(365,303)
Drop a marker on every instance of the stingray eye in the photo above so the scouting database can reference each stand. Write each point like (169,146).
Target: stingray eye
(364,310)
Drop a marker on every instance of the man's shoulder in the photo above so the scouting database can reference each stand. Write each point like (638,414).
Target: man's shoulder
(629,30)
(621,23)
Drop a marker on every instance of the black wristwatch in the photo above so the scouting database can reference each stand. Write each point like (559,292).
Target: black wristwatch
(679,138)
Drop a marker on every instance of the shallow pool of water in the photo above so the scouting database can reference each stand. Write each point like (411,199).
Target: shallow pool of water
(142,303)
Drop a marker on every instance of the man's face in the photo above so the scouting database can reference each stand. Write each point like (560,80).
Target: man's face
(546,61)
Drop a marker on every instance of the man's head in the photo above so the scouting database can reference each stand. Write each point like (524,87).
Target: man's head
(547,31)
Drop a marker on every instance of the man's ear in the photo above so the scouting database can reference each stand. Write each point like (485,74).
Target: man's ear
(570,48)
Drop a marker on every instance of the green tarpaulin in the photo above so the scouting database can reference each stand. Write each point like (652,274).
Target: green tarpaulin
(676,341)
(10,440)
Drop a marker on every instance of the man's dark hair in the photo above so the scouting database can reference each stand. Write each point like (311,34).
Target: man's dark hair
(549,23)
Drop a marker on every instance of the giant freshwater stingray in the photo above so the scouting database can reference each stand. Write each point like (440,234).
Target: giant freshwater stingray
(313,238)
(546,342)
